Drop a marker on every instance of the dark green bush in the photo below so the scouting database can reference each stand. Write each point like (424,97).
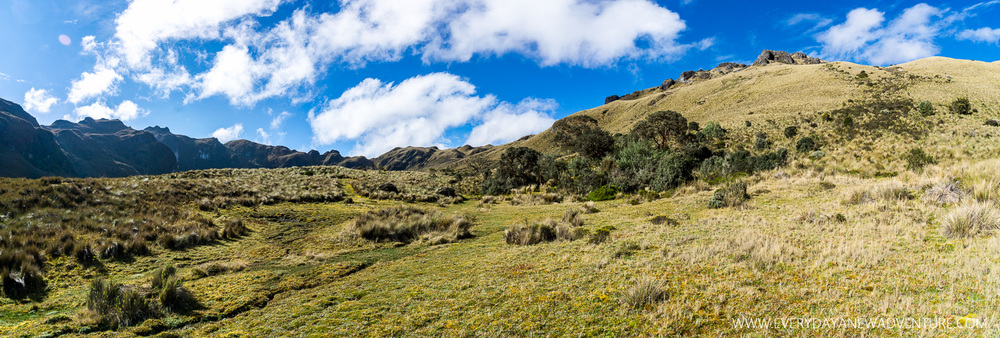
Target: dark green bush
(662,128)
(713,130)
(916,159)
(791,131)
(961,106)
(604,193)
(771,160)
(672,170)
(518,167)
(805,145)
(925,108)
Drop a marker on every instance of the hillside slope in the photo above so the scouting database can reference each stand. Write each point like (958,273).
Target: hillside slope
(777,92)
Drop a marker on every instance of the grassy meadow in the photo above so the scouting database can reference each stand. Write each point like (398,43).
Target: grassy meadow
(864,227)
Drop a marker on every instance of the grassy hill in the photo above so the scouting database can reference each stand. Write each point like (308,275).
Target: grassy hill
(855,230)
(782,93)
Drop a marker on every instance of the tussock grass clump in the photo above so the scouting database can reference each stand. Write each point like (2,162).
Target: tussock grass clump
(731,195)
(117,305)
(944,193)
(590,207)
(407,224)
(547,230)
(217,268)
(759,250)
(970,220)
(644,292)
(889,191)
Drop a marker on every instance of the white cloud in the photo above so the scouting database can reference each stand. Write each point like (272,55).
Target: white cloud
(100,82)
(279,119)
(228,134)
(38,100)
(985,34)
(257,62)
(508,122)
(863,37)
(419,112)
(126,111)
(560,31)
(147,23)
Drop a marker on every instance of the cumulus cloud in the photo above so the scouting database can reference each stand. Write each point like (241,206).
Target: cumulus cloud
(863,36)
(257,62)
(126,111)
(419,111)
(100,82)
(560,31)
(38,100)
(229,133)
(985,34)
(416,112)
(509,122)
(146,23)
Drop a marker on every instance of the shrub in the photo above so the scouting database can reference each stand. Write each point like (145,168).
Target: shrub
(805,145)
(662,128)
(916,159)
(863,75)
(961,106)
(969,220)
(762,143)
(604,193)
(672,170)
(733,194)
(693,126)
(518,167)
(713,130)
(791,131)
(407,224)
(925,108)
(771,160)
(643,292)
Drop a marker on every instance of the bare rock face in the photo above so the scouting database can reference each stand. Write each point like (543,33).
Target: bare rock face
(687,76)
(667,84)
(611,98)
(769,56)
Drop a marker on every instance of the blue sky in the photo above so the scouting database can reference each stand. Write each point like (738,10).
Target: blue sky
(363,76)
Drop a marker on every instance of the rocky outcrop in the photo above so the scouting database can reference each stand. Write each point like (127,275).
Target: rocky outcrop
(769,56)
(419,158)
(667,84)
(26,149)
(611,98)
